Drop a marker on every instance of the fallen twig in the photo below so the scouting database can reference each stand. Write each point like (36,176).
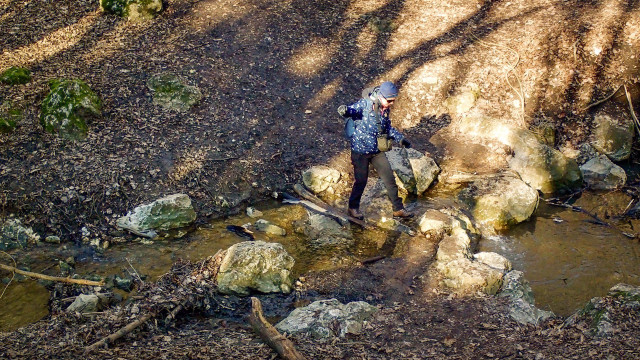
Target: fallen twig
(118,334)
(602,100)
(51,278)
(270,335)
(633,113)
(596,219)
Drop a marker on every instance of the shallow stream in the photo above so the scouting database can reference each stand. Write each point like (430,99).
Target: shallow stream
(567,258)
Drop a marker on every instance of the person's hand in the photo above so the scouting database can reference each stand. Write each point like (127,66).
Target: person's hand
(405,143)
(342,110)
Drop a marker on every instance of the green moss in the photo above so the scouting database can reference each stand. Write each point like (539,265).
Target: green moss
(7,125)
(9,117)
(169,91)
(116,7)
(132,9)
(15,75)
(67,107)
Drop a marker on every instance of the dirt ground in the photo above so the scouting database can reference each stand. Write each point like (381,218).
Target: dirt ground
(273,73)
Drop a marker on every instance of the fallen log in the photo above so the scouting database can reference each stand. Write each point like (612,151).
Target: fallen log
(300,190)
(118,334)
(283,346)
(67,280)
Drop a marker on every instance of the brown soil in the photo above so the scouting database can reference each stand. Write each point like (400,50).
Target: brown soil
(273,73)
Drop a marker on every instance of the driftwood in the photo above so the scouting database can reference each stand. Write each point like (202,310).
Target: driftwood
(118,334)
(270,335)
(337,214)
(51,278)
(300,190)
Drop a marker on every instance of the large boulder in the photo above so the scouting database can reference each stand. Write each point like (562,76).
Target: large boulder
(321,178)
(255,266)
(500,202)
(542,167)
(172,92)
(327,319)
(170,212)
(68,107)
(467,277)
(414,171)
(15,75)
(132,9)
(600,173)
(521,302)
(613,132)
(15,235)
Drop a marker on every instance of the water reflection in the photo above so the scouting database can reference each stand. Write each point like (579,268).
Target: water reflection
(568,259)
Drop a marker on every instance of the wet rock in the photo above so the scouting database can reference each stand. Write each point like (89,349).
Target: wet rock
(255,265)
(324,231)
(327,319)
(269,228)
(132,9)
(444,221)
(494,260)
(500,202)
(467,277)
(85,304)
(320,178)
(253,213)
(15,76)
(521,302)
(68,107)
(613,132)
(414,171)
(171,92)
(600,173)
(455,246)
(170,212)
(14,235)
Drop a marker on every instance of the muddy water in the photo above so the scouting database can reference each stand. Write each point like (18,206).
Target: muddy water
(567,259)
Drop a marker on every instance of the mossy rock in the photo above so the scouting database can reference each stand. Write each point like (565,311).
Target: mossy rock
(68,107)
(171,92)
(15,75)
(9,118)
(132,9)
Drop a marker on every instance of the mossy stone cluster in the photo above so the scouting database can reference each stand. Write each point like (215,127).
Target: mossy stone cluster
(171,92)
(68,107)
(15,75)
(132,9)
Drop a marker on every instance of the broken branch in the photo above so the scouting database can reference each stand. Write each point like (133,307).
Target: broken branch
(270,335)
(51,278)
(118,334)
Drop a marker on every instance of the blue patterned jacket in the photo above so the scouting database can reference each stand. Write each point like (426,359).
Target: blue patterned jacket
(364,139)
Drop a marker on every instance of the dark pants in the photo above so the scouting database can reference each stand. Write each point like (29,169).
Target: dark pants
(361,174)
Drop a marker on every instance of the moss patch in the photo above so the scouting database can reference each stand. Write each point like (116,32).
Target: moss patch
(170,92)
(15,75)
(67,107)
(132,9)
